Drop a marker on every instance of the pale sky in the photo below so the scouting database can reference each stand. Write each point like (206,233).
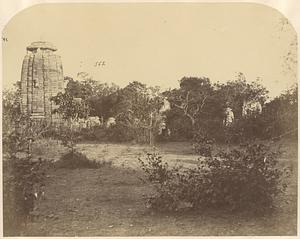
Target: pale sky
(157,43)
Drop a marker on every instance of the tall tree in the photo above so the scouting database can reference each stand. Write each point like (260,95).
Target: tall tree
(86,98)
(138,108)
(192,97)
(235,93)
(280,116)
(11,110)
(71,104)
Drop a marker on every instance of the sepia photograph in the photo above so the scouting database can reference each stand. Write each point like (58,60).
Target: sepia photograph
(149,119)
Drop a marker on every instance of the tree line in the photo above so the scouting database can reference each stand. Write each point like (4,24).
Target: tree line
(196,106)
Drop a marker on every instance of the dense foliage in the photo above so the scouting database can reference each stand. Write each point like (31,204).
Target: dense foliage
(240,180)
(196,106)
(199,106)
(203,144)
(280,116)
(74,160)
(23,179)
(86,98)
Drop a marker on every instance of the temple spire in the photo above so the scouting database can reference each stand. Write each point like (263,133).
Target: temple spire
(42,78)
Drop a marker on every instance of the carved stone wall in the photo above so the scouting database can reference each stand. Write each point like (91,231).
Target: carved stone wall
(42,78)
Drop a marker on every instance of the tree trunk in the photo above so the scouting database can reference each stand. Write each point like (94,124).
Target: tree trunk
(151,137)
(193,121)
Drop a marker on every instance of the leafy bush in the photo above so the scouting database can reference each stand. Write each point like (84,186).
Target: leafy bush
(119,133)
(92,134)
(163,179)
(242,179)
(245,129)
(73,160)
(280,116)
(23,186)
(24,179)
(156,170)
(239,180)
(53,132)
(69,137)
(203,144)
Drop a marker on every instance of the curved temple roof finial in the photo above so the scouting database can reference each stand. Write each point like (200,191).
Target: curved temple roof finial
(41,45)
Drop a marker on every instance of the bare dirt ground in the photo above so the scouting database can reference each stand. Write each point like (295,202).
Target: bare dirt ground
(110,201)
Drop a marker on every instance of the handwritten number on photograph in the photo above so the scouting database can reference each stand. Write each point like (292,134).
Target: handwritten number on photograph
(100,63)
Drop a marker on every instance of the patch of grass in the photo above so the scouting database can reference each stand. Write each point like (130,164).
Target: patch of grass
(74,160)
(51,148)
(111,202)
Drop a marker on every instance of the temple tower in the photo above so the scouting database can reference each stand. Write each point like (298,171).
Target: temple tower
(42,78)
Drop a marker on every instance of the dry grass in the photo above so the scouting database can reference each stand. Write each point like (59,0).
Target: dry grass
(110,201)
(126,155)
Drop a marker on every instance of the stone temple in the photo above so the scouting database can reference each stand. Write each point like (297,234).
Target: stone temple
(42,78)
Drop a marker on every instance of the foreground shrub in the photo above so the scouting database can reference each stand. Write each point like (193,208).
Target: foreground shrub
(23,185)
(246,129)
(23,178)
(168,195)
(203,144)
(156,170)
(74,159)
(245,179)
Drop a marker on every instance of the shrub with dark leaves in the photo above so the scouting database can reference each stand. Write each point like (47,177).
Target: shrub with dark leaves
(156,170)
(239,180)
(23,179)
(74,159)
(203,144)
(119,133)
(163,179)
(242,179)
(23,187)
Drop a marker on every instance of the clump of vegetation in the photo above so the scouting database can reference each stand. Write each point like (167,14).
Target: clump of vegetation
(73,160)
(203,144)
(22,188)
(239,180)
(119,133)
(168,195)
(198,104)
(156,170)
(24,178)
